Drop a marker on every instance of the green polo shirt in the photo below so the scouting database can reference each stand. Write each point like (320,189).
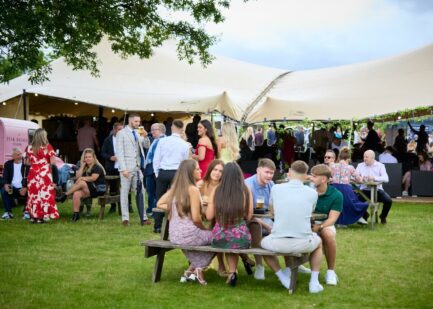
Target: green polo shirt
(331,200)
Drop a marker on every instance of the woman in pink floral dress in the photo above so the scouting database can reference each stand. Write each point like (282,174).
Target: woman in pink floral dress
(184,212)
(41,204)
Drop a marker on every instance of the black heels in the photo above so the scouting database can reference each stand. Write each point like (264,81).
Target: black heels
(75,217)
(232,279)
(248,264)
(61,198)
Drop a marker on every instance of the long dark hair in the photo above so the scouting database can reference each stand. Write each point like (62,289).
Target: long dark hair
(211,166)
(211,134)
(183,179)
(231,196)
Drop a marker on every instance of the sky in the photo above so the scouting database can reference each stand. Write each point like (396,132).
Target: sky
(310,34)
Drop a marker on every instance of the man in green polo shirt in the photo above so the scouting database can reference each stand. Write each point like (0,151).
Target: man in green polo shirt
(330,203)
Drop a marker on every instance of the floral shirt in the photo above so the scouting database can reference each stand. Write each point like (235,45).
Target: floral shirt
(343,173)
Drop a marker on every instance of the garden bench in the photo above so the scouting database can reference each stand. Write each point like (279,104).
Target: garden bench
(159,247)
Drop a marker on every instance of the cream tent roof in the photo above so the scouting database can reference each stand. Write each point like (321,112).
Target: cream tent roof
(161,83)
(352,92)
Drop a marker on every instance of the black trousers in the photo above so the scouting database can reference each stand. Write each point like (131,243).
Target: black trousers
(382,197)
(163,183)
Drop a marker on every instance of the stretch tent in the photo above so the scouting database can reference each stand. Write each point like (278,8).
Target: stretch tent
(162,83)
(351,92)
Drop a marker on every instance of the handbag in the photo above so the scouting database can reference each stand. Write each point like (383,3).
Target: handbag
(101,188)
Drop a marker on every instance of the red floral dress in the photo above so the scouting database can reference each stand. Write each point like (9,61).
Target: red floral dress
(41,203)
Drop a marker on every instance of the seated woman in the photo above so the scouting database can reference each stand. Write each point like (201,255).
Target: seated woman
(424,165)
(184,212)
(342,174)
(90,181)
(231,204)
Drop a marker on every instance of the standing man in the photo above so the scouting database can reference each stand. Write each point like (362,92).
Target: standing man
(14,187)
(372,142)
(372,170)
(422,141)
(330,203)
(131,158)
(158,132)
(169,153)
(109,153)
(86,138)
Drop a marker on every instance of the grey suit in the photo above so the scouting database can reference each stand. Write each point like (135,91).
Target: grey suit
(128,156)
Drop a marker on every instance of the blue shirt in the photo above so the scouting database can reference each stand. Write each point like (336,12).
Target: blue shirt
(259,190)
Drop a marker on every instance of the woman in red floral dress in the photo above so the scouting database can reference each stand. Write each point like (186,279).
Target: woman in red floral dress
(41,204)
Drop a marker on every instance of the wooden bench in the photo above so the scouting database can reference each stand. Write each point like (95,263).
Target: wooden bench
(107,198)
(159,247)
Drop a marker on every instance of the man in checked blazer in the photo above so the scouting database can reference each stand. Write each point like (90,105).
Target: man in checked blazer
(131,158)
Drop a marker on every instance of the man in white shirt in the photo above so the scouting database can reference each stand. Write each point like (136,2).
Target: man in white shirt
(372,170)
(292,204)
(169,153)
(13,188)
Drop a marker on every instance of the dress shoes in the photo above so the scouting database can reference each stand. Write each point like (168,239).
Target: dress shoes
(382,220)
(125,222)
(146,222)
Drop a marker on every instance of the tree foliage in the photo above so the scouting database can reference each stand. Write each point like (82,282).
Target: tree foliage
(70,28)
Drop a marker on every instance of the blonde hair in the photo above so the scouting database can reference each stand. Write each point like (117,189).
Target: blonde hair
(40,139)
(230,140)
(95,160)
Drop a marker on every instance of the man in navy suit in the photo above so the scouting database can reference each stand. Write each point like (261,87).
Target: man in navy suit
(108,152)
(14,182)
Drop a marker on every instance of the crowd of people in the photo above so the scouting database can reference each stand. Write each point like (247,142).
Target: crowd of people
(195,176)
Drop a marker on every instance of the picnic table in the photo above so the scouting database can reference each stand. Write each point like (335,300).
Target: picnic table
(372,200)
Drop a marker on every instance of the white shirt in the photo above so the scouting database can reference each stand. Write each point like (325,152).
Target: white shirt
(377,170)
(17,179)
(386,157)
(293,203)
(116,163)
(169,153)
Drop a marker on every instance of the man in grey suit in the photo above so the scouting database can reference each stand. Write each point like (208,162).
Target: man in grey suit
(131,158)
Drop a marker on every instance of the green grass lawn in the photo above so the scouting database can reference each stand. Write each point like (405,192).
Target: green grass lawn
(100,264)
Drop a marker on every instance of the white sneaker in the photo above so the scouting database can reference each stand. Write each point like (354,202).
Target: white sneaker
(259,273)
(362,221)
(404,193)
(304,270)
(6,216)
(287,272)
(331,277)
(26,216)
(315,287)
(285,281)
(11,215)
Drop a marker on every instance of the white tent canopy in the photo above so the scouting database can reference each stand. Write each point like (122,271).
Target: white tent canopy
(241,90)
(352,92)
(162,83)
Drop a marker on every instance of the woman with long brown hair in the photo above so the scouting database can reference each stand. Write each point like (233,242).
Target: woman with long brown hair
(184,212)
(207,149)
(90,181)
(41,204)
(231,204)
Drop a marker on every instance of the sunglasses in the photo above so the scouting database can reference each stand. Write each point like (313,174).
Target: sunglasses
(328,157)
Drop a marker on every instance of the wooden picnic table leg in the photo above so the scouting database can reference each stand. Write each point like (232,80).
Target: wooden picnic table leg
(101,211)
(372,207)
(159,263)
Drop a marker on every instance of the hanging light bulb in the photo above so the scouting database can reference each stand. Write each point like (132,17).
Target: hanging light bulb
(36,94)
(152,114)
(113,111)
(4,103)
(76,103)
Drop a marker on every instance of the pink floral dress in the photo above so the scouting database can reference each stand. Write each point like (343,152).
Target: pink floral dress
(236,236)
(41,202)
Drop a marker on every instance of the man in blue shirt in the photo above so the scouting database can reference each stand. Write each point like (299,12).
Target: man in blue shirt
(260,185)
(158,132)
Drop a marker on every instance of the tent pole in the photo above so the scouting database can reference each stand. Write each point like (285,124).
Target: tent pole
(24,96)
